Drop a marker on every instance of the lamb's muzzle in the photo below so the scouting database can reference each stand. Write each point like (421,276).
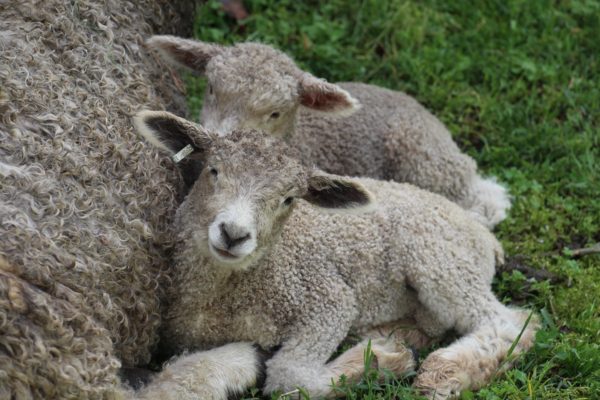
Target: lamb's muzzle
(232,235)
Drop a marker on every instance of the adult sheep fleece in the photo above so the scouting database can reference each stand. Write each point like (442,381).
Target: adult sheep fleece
(80,255)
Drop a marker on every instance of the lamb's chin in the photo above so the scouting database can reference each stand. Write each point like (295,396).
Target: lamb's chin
(227,260)
(238,266)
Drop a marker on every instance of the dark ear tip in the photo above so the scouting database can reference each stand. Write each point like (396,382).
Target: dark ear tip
(355,194)
(362,196)
(162,129)
(339,194)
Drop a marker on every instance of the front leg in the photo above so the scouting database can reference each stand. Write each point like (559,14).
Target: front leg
(301,360)
(206,375)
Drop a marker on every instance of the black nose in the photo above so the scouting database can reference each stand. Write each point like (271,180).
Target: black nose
(233,235)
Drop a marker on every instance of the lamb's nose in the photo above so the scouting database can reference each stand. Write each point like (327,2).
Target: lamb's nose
(233,235)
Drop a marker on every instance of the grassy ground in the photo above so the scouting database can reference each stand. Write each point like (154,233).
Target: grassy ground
(517,83)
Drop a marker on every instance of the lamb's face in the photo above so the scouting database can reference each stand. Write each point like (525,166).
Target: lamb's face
(253,86)
(244,187)
(243,196)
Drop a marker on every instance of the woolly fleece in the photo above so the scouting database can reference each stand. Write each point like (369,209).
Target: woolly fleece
(83,248)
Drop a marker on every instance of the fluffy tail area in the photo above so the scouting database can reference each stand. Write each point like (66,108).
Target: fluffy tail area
(472,361)
(488,201)
(209,375)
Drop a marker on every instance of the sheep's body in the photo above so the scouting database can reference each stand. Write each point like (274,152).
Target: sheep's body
(360,265)
(80,255)
(391,135)
(302,283)
(417,256)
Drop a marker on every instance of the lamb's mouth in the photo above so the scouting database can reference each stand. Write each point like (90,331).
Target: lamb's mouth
(224,253)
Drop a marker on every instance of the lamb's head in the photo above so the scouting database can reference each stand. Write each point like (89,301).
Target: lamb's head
(248,184)
(252,86)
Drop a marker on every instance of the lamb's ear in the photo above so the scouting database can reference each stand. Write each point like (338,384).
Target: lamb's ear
(183,140)
(320,95)
(337,193)
(187,53)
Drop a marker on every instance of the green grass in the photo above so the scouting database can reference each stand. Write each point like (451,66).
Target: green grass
(517,83)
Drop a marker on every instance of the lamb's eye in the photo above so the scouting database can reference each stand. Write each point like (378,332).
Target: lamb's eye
(275,115)
(288,201)
(213,172)
(210,89)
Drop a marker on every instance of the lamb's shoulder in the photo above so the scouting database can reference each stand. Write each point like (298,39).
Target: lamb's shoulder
(324,242)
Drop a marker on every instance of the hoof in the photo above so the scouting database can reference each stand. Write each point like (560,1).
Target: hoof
(393,355)
(440,379)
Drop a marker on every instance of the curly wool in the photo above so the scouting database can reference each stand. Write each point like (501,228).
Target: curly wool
(82,249)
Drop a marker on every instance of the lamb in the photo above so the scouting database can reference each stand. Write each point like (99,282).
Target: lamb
(384,134)
(256,260)
(82,258)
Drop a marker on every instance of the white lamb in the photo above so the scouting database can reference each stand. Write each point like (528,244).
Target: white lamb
(257,260)
(384,134)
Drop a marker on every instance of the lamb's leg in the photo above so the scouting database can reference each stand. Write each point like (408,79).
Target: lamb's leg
(216,373)
(472,361)
(459,297)
(302,359)
(287,371)
(207,375)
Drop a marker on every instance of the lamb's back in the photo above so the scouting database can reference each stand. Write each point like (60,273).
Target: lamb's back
(392,136)
(404,226)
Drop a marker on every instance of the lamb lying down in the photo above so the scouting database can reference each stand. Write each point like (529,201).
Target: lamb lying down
(259,261)
(347,128)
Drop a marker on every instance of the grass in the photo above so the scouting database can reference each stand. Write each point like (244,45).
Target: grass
(517,83)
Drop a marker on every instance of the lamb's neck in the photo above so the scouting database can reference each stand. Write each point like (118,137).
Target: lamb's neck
(199,276)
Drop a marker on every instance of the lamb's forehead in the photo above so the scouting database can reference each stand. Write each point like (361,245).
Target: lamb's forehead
(254,152)
(257,70)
